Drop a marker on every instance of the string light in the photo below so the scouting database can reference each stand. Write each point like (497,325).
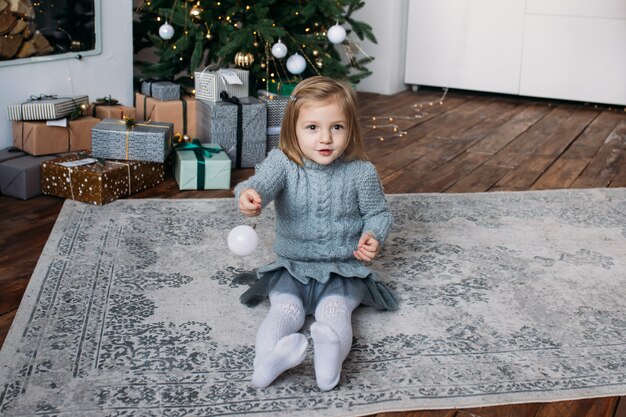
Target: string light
(387,122)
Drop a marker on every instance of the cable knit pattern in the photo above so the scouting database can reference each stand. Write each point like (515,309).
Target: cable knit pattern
(321,212)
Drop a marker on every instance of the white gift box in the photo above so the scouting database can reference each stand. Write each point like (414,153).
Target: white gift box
(210,84)
(46,108)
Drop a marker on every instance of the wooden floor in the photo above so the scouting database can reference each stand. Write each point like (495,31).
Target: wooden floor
(467,142)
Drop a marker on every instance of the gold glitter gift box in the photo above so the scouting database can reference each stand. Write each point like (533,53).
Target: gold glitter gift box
(93,181)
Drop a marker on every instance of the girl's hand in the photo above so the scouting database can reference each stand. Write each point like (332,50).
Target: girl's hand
(367,248)
(250,203)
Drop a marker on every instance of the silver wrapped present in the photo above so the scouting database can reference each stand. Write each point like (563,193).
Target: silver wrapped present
(46,107)
(113,139)
(161,90)
(210,84)
(239,129)
(276,106)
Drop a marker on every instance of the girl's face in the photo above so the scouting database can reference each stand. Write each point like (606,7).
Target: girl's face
(321,131)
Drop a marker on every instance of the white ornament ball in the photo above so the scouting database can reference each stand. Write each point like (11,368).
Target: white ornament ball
(279,50)
(242,240)
(336,33)
(296,64)
(166,31)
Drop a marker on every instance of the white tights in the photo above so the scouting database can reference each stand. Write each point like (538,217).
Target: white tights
(279,346)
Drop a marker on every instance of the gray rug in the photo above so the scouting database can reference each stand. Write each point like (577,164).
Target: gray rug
(505,297)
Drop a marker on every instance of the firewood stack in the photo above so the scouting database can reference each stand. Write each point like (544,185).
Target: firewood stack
(19,37)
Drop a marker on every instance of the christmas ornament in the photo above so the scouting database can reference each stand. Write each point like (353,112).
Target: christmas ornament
(242,240)
(166,31)
(244,59)
(279,50)
(195,11)
(336,33)
(296,64)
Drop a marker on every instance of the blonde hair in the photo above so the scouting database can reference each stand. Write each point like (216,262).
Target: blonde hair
(321,89)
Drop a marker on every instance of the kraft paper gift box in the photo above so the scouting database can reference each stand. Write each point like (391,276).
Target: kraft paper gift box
(115,139)
(210,84)
(276,106)
(242,134)
(110,108)
(161,90)
(37,138)
(201,166)
(83,178)
(21,177)
(46,107)
(182,113)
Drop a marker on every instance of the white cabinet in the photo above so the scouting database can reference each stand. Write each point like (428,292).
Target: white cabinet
(565,49)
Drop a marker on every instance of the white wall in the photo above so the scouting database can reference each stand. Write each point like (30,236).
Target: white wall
(388,19)
(110,72)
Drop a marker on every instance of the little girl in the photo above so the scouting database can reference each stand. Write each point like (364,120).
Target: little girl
(331,218)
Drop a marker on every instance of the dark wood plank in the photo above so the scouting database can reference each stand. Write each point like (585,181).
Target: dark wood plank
(516,410)
(564,171)
(595,407)
(607,162)
(620,408)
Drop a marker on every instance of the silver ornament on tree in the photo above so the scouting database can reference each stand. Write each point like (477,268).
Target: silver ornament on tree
(336,33)
(296,64)
(279,49)
(166,31)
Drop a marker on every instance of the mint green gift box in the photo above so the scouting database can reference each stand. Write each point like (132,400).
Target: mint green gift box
(191,159)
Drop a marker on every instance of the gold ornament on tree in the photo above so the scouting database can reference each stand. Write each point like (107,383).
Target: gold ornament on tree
(244,59)
(195,11)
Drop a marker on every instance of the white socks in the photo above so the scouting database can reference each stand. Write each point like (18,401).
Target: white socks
(279,347)
(332,338)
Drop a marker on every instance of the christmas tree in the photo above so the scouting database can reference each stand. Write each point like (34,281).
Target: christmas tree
(277,41)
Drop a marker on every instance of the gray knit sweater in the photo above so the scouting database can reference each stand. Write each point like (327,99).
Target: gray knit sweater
(321,212)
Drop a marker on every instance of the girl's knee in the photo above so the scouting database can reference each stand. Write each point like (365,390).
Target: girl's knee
(287,305)
(332,307)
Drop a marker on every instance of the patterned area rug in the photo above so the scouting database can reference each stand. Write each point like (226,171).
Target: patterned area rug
(505,297)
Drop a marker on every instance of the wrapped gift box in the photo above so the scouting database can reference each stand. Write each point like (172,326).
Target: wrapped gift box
(209,84)
(112,139)
(220,123)
(46,108)
(21,177)
(279,87)
(182,113)
(37,138)
(108,111)
(276,106)
(161,90)
(201,166)
(10,153)
(86,179)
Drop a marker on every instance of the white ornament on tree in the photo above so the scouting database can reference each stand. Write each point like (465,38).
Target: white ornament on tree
(279,49)
(296,64)
(166,31)
(242,240)
(336,33)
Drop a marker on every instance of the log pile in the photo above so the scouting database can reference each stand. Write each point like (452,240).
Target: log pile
(19,37)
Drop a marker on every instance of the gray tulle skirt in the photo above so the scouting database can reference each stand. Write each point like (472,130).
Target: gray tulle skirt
(368,291)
